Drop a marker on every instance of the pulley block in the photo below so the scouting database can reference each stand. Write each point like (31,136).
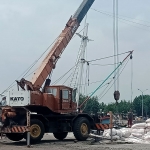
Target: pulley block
(116,95)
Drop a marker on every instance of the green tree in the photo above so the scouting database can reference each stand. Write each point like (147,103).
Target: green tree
(92,105)
(137,105)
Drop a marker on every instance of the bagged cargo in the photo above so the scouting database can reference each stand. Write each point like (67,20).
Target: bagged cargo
(146,137)
(138,135)
(148,120)
(139,131)
(126,132)
(139,126)
(105,132)
(119,133)
(147,125)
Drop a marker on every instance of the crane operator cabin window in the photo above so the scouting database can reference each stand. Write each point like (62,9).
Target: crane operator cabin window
(52,91)
(65,94)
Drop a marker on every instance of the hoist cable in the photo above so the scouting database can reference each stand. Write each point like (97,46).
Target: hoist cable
(117,46)
(114,40)
(131,80)
(113,83)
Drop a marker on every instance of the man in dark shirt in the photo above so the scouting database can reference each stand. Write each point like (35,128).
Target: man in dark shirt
(130,118)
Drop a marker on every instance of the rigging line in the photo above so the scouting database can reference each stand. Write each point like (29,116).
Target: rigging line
(110,15)
(113,83)
(32,65)
(131,80)
(100,11)
(114,39)
(99,88)
(103,64)
(86,75)
(108,56)
(117,46)
(110,82)
(27,70)
(134,25)
(67,78)
(63,75)
(93,82)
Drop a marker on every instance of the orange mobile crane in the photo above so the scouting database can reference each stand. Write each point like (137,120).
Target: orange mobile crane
(52,109)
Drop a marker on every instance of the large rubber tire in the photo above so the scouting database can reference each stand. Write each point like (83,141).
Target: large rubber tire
(37,131)
(14,136)
(61,135)
(81,128)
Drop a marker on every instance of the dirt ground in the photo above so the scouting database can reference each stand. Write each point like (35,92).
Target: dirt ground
(49,142)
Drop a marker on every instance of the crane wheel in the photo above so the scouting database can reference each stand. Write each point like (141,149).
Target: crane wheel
(81,129)
(37,131)
(60,135)
(14,136)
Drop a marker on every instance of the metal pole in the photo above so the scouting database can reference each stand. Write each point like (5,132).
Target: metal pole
(28,132)
(142,100)
(110,113)
(142,105)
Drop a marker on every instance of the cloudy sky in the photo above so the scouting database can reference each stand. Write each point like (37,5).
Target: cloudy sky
(28,27)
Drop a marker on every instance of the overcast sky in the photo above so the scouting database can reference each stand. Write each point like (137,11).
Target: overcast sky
(28,27)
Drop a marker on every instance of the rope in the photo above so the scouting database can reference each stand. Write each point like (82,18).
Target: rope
(113,83)
(108,57)
(131,79)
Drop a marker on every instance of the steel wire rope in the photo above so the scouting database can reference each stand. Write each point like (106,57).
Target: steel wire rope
(103,64)
(117,44)
(131,79)
(63,75)
(113,83)
(91,92)
(32,65)
(102,11)
(121,18)
(114,39)
(108,57)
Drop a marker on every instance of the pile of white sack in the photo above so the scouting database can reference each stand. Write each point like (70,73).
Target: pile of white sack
(117,134)
(138,133)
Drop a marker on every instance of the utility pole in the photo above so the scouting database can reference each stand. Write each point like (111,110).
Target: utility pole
(142,100)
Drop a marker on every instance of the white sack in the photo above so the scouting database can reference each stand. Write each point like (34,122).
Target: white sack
(119,133)
(147,125)
(134,140)
(107,136)
(138,135)
(148,120)
(115,137)
(126,132)
(114,132)
(105,132)
(148,133)
(139,131)
(139,126)
(146,137)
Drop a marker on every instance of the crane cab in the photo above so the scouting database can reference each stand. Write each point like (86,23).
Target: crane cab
(60,98)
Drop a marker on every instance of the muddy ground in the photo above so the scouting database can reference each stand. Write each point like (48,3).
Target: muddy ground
(50,143)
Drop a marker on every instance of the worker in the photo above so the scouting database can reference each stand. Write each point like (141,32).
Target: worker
(130,118)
